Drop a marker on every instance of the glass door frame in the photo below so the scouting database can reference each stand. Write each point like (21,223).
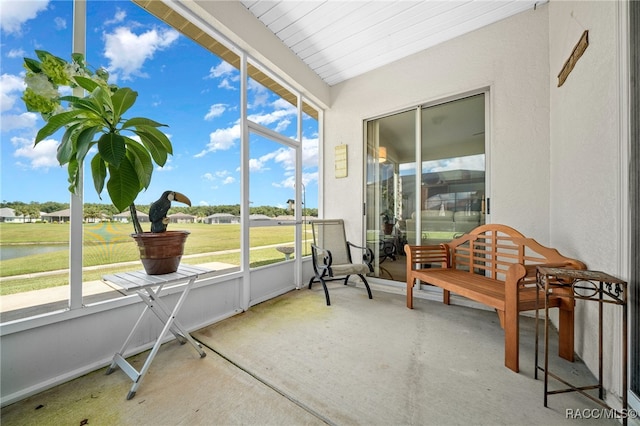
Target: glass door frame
(372,142)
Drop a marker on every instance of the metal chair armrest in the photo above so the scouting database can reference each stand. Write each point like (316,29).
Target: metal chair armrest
(327,259)
(367,257)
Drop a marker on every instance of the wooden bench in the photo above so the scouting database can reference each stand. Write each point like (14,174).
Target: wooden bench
(494,265)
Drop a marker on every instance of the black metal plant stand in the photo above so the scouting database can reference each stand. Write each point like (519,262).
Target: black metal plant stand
(590,286)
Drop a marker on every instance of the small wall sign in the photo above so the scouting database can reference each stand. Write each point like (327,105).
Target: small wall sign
(341,161)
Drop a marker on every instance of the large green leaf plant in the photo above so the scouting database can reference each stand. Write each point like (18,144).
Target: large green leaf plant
(127,148)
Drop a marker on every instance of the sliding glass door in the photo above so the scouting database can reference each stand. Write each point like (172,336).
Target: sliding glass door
(425,178)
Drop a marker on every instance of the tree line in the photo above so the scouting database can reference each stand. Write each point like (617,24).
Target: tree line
(96,210)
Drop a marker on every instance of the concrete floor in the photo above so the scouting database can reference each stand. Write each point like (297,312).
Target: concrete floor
(295,361)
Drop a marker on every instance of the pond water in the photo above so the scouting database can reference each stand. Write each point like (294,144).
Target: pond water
(15,251)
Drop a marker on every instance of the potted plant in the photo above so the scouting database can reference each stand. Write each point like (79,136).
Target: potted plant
(387,223)
(127,149)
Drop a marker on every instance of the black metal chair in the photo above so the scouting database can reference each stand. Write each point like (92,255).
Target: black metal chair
(331,254)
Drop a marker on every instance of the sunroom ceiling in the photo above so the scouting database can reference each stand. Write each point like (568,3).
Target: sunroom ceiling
(340,39)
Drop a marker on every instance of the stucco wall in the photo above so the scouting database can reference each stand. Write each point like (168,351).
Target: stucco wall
(554,153)
(585,160)
(511,58)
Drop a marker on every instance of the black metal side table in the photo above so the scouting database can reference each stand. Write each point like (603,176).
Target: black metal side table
(591,286)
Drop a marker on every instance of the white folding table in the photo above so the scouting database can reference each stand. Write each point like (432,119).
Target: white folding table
(149,287)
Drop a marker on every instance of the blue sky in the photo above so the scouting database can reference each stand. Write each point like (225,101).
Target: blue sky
(179,84)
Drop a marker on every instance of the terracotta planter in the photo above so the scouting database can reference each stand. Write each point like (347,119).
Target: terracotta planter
(161,252)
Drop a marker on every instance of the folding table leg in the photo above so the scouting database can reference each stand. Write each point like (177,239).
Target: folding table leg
(114,363)
(172,318)
(166,316)
(152,299)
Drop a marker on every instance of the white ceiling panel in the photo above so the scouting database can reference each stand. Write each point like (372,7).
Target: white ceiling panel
(340,39)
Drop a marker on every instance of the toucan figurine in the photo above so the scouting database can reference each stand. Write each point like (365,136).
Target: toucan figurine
(158,209)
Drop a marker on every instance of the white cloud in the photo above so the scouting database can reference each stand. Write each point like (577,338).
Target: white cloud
(119,17)
(470,162)
(286,157)
(11,87)
(41,156)
(257,99)
(227,74)
(290,180)
(60,23)
(256,165)
(16,53)
(282,125)
(269,118)
(26,120)
(284,104)
(307,178)
(310,152)
(215,110)
(281,115)
(127,51)
(223,69)
(221,140)
(16,13)
(167,166)
(281,155)
(225,84)
(224,175)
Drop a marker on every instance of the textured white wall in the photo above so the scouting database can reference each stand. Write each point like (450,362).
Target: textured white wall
(585,161)
(554,152)
(511,58)
(584,133)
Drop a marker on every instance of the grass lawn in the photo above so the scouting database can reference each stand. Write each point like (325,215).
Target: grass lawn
(109,243)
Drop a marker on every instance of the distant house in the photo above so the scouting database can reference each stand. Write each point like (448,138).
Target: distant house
(59,216)
(259,217)
(125,216)
(221,218)
(103,218)
(7,215)
(181,218)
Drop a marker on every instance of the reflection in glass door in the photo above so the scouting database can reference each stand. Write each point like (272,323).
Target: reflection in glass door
(448,198)
(390,165)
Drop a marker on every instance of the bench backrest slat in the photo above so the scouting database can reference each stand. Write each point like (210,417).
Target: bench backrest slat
(491,249)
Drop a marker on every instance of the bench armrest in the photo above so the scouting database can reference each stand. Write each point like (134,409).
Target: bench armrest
(519,275)
(428,254)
